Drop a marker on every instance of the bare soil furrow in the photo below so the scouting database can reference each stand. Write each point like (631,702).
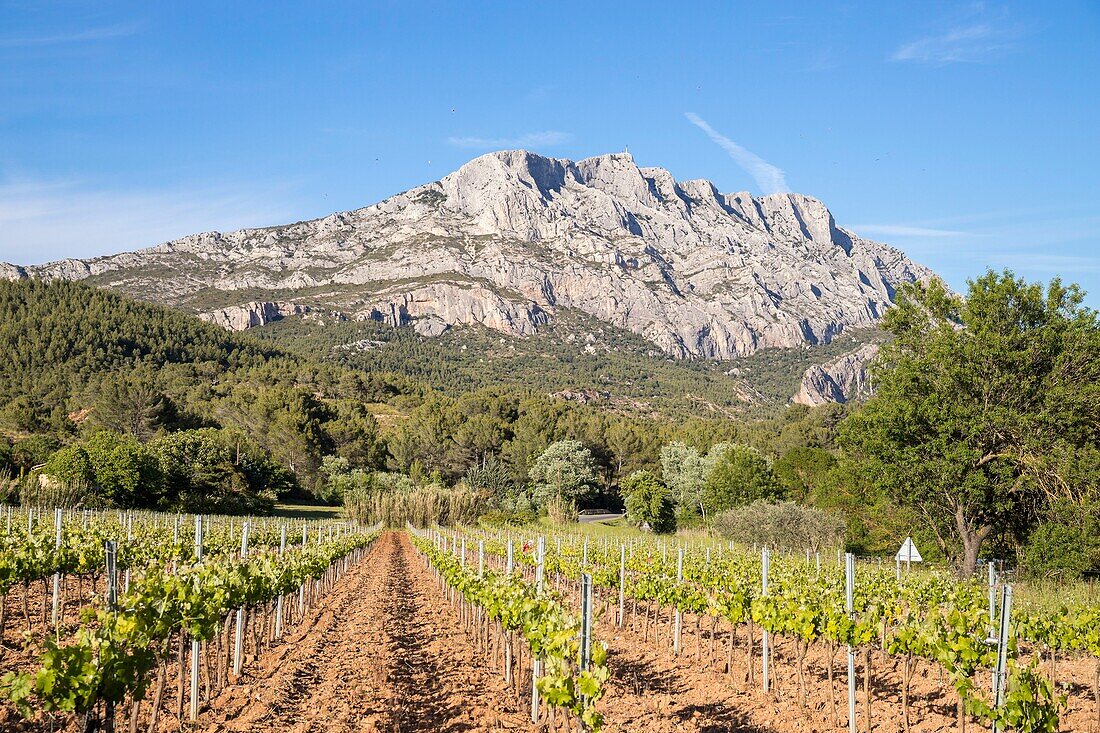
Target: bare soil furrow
(383,653)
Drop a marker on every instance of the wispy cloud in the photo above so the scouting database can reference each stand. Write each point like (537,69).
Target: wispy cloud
(549,138)
(975,34)
(1067,266)
(47,220)
(768,177)
(103,33)
(903,230)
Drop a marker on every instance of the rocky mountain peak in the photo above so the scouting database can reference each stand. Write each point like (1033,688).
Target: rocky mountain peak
(511,237)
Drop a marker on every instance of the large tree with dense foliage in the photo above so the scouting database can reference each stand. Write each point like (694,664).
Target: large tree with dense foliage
(126,472)
(737,475)
(985,407)
(648,500)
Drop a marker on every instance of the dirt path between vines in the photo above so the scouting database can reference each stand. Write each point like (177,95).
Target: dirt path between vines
(382,653)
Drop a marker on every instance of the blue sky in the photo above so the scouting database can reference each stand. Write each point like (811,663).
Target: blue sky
(966,134)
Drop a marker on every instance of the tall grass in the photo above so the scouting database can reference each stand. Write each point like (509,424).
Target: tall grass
(420,507)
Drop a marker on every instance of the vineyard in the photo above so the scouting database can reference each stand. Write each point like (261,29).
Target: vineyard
(156,622)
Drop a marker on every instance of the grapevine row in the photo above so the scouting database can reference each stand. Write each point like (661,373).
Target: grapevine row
(517,607)
(123,648)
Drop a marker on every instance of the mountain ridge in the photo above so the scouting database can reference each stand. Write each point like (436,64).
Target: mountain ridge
(511,236)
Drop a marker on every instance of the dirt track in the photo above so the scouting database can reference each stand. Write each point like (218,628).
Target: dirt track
(383,653)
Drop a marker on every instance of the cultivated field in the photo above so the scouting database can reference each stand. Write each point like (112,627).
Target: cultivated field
(363,629)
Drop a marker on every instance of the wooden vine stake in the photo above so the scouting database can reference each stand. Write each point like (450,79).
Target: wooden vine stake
(56,575)
(536,663)
(110,553)
(509,568)
(586,620)
(280,601)
(302,588)
(677,619)
(622,583)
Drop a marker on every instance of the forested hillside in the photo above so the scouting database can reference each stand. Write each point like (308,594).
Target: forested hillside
(983,431)
(75,361)
(576,352)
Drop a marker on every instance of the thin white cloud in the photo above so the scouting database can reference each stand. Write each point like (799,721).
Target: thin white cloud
(960,44)
(901,230)
(48,220)
(548,138)
(768,177)
(105,33)
(1068,266)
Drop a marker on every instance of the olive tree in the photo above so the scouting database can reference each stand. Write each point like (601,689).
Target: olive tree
(563,476)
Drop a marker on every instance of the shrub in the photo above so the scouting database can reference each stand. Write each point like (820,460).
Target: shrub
(784,524)
(493,478)
(504,518)
(738,475)
(70,466)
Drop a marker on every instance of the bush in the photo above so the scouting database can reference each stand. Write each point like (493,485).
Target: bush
(202,474)
(785,524)
(70,466)
(491,477)
(33,451)
(503,518)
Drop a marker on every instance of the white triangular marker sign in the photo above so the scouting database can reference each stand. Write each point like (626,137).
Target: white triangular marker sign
(908,552)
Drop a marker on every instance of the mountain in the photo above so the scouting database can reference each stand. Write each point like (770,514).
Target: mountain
(514,241)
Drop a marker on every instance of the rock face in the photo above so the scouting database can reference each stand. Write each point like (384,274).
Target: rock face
(840,380)
(247,315)
(511,237)
(260,313)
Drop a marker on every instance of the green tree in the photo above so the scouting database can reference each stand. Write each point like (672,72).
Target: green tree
(1065,543)
(426,437)
(132,403)
(804,472)
(649,500)
(492,478)
(70,466)
(564,473)
(685,473)
(985,407)
(127,473)
(356,435)
(33,451)
(201,474)
(738,475)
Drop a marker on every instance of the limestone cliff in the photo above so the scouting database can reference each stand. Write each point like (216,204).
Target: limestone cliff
(512,236)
